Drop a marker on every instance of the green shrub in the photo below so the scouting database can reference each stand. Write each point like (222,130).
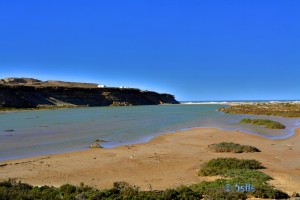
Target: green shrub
(122,190)
(236,171)
(232,148)
(246,120)
(264,122)
(7,183)
(247,175)
(276,109)
(267,191)
(215,190)
(68,189)
(220,166)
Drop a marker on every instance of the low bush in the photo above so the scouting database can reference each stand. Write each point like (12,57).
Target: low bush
(276,109)
(220,166)
(231,147)
(239,171)
(236,172)
(264,122)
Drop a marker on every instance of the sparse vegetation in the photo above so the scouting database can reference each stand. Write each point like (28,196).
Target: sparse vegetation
(263,122)
(231,147)
(237,171)
(220,166)
(121,190)
(276,109)
(11,189)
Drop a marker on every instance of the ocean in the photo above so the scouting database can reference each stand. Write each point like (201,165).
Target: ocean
(33,133)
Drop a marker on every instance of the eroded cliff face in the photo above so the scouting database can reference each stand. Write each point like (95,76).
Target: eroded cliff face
(28,96)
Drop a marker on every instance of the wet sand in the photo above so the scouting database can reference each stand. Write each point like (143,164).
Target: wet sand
(167,161)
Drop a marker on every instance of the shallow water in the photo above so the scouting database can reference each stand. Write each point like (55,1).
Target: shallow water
(64,130)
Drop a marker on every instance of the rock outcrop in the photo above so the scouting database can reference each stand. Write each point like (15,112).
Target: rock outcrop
(32,93)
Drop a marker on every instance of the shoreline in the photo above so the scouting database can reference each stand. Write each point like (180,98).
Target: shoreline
(166,161)
(153,136)
(15,110)
(229,103)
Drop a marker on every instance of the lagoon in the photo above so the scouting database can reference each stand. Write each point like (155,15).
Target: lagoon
(40,132)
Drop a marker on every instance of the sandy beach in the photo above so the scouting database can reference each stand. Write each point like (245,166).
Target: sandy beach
(167,161)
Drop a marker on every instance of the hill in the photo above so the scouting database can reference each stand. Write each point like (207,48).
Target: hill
(33,93)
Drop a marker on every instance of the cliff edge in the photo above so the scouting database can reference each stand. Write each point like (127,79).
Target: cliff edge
(33,93)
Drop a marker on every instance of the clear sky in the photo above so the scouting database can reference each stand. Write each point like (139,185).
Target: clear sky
(196,50)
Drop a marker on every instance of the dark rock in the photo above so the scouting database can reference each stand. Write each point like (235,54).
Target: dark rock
(95,145)
(100,140)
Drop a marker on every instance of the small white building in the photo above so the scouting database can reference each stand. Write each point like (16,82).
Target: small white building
(101,86)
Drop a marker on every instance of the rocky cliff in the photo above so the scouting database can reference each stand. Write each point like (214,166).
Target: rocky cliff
(32,93)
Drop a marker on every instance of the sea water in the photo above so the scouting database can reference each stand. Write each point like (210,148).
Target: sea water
(32,133)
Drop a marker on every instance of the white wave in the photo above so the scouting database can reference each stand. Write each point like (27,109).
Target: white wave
(203,103)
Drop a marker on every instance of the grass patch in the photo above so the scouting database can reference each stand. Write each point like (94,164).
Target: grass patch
(11,189)
(263,122)
(247,175)
(234,171)
(237,172)
(276,109)
(220,166)
(230,147)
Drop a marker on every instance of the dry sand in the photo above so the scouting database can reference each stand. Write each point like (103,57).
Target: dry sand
(166,161)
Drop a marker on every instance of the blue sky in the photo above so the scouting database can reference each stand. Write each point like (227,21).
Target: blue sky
(196,50)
